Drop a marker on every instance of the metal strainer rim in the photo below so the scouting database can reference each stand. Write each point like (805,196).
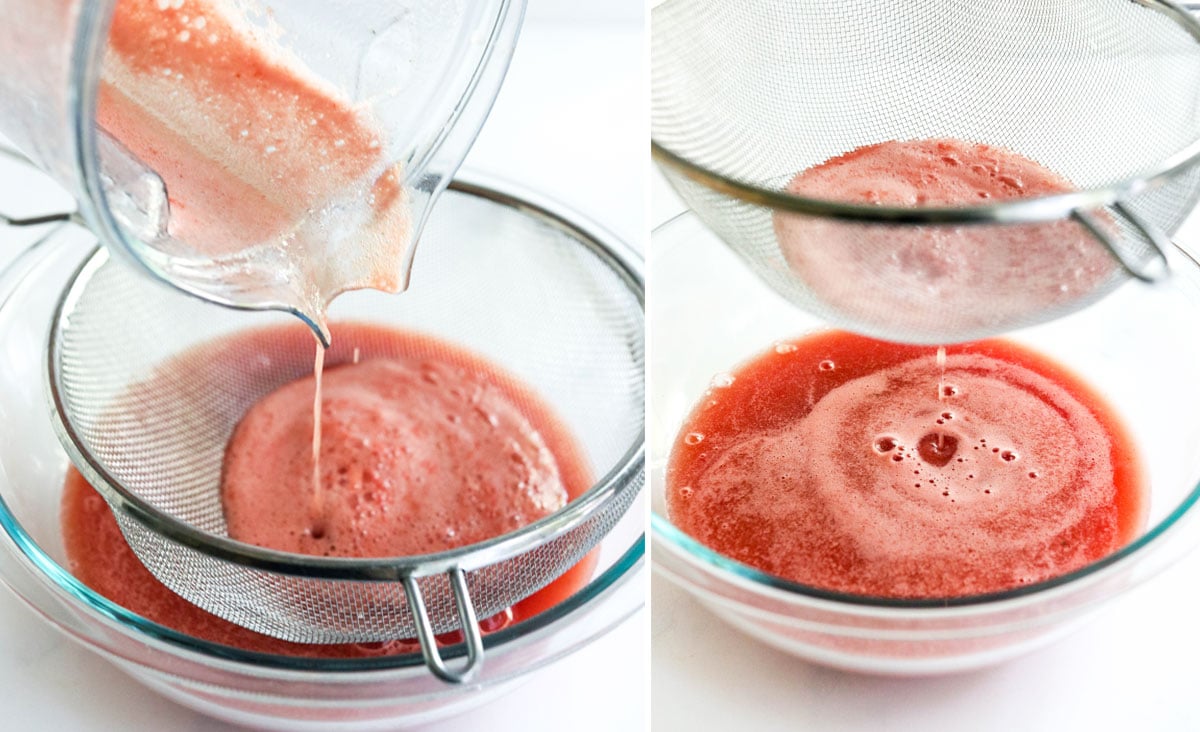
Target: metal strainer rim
(613,252)
(1013,211)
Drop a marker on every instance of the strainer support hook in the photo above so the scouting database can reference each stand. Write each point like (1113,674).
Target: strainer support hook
(50,218)
(1157,269)
(472,635)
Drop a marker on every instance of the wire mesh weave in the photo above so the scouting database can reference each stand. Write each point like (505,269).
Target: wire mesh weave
(1106,93)
(551,305)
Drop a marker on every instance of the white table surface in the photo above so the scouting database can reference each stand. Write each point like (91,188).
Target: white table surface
(570,123)
(1136,666)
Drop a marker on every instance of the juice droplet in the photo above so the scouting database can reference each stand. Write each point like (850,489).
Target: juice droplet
(685,492)
(1033,474)
(827,365)
(693,438)
(499,621)
(941,364)
(1008,456)
(949,390)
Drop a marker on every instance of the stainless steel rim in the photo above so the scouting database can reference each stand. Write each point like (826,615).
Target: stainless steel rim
(614,253)
(1025,210)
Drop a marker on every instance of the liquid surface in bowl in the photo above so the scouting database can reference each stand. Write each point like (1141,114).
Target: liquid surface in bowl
(261,159)
(878,469)
(426,448)
(925,278)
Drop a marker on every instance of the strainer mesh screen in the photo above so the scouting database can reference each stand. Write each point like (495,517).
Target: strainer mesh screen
(1098,91)
(154,411)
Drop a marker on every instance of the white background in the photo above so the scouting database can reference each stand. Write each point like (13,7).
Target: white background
(1135,667)
(570,123)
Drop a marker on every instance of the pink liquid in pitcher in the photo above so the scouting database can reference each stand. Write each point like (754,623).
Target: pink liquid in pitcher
(263,161)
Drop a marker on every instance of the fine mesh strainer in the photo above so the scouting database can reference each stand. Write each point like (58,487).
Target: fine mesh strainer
(145,414)
(1105,93)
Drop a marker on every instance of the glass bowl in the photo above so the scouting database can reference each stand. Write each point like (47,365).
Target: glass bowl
(268,691)
(1136,347)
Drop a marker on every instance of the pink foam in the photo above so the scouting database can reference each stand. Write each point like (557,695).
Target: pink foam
(417,456)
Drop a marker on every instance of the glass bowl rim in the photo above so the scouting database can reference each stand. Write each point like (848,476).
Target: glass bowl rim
(66,588)
(132,625)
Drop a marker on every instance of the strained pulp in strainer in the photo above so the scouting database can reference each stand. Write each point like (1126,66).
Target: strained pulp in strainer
(424,448)
(978,278)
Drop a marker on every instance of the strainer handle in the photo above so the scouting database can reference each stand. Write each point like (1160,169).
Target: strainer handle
(466,616)
(1158,241)
(62,217)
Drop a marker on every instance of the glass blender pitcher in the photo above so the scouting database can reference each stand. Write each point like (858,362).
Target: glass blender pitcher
(257,154)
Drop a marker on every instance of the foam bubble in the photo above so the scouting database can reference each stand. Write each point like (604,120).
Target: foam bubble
(722,381)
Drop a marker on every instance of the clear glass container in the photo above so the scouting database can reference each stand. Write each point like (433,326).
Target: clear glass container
(423,73)
(1136,347)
